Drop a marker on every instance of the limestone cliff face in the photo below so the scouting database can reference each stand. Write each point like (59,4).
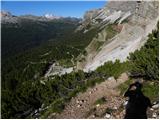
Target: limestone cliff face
(123,26)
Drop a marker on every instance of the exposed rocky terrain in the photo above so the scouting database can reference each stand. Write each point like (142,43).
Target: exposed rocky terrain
(81,106)
(112,104)
(57,69)
(132,21)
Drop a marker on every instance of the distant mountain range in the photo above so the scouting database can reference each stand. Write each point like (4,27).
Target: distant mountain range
(51,16)
(7,17)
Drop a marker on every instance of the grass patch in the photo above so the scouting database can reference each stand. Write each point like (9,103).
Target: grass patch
(100,101)
(98,45)
(110,32)
(95,45)
(124,86)
(109,110)
(151,90)
(90,112)
(65,62)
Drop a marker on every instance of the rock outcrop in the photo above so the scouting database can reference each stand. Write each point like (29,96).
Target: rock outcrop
(132,21)
(7,17)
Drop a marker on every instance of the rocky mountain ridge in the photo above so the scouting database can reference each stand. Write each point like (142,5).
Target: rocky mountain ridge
(129,22)
(7,17)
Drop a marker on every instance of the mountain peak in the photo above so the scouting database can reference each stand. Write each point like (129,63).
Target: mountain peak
(51,16)
(5,14)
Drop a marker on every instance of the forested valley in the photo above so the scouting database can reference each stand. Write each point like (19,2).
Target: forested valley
(24,62)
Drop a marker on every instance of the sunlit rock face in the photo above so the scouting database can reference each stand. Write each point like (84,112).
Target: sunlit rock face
(135,18)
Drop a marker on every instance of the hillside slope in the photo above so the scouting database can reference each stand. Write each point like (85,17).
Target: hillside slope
(103,101)
(34,81)
(122,30)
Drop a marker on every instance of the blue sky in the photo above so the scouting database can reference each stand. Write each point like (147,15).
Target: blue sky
(59,8)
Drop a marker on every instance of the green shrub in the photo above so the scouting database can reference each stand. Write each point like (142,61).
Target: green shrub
(113,68)
(145,62)
(100,101)
(124,86)
(151,90)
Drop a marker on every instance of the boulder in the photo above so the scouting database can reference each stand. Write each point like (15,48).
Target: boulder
(115,108)
(125,103)
(107,116)
(154,115)
(156,106)
(97,105)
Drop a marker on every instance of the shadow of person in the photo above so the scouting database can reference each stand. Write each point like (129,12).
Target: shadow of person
(137,105)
